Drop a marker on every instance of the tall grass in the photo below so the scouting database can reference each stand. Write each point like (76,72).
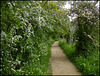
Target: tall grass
(88,64)
(69,49)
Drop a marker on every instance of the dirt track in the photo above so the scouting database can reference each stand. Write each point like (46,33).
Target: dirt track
(61,65)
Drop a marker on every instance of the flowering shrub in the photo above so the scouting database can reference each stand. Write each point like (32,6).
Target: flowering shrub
(27,30)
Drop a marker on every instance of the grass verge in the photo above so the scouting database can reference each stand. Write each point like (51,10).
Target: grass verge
(88,65)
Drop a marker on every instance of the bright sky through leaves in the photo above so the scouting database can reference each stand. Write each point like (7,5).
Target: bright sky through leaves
(67,5)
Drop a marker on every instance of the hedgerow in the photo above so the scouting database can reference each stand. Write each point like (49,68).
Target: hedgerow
(27,33)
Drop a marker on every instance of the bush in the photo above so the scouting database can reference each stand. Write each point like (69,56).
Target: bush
(25,42)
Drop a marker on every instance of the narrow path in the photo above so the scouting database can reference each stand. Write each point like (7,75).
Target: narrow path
(61,65)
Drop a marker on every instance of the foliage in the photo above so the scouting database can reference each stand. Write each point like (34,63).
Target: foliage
(88,65)
(87,27)
(29,28)
(27,33)
(85,52)
(65,46)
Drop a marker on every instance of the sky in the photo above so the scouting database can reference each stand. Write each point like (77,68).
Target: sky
(67,5)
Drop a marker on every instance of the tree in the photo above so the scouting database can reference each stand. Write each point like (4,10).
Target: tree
(87,18)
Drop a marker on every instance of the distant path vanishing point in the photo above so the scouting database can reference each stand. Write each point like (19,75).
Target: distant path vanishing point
(61,65)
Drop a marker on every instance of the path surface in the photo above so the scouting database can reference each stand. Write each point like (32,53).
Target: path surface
(61,65)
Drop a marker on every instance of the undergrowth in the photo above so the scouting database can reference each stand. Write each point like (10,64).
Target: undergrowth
(88,64)
(41,67)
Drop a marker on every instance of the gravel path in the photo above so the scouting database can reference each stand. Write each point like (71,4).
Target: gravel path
(61,65)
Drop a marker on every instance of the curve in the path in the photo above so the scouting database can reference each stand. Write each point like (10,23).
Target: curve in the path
(61,65)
